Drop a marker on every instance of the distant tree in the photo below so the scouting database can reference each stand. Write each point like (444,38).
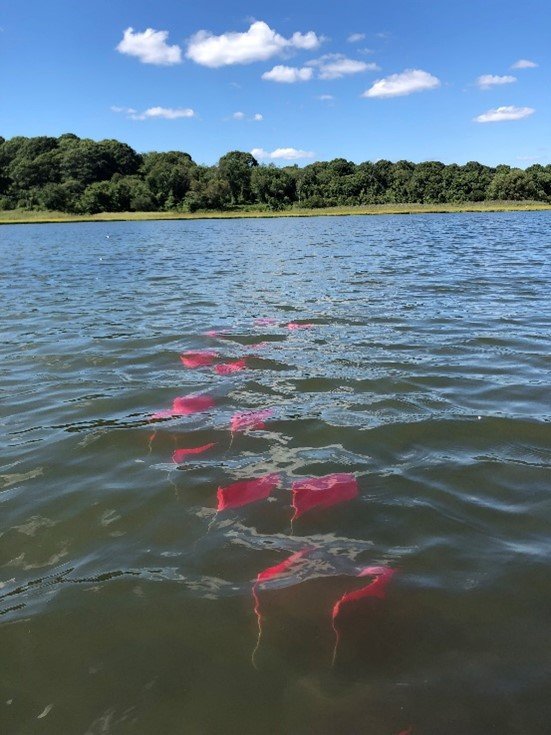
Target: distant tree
(273,186)
(119,158)
(426,184)
(168,176)
(540,176)
(236,169)
(513,185)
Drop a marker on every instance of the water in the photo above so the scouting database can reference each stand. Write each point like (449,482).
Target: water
(127,602)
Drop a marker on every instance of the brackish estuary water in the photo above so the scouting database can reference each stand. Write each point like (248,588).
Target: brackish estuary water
(127,601)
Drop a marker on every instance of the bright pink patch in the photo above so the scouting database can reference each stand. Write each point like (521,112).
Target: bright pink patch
(265,321)
(180,455)
(247,491)
(250,420)
(293,326)
(227,368)
(198,359)
(185,406)
(374,590)
(323,492)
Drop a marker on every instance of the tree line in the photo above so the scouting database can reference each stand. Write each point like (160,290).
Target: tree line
(79,175)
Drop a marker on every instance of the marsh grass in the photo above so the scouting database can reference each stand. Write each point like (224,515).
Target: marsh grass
(19,216)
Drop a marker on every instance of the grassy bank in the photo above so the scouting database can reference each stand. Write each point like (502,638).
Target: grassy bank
(19,216)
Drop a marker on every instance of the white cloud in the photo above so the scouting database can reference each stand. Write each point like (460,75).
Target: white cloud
(257,117)
(524,64)
(326,97)
(288,74)
(150,47)
(509,112)
(166,113)
(408,81)
(126,110)
(259,43)
(490,80)
(335,66)
(283,154)
(355,37)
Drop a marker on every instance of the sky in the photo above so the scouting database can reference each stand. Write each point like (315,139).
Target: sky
(292,82)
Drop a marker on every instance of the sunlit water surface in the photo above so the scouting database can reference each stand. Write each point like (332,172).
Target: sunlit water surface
(126,601)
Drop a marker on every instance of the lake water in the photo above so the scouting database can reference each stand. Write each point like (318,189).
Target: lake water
(126,600)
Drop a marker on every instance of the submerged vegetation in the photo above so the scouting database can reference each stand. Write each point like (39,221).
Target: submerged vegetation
(79,176)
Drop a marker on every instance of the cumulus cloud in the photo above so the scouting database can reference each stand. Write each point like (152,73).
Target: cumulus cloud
(335,66)
(407,82)
(486,81)
(257,117)
(165,113)
(238,115)
(288,74)
(150,47)
(259,43)
(355,37)
(283,154)
(524,64)
(509,112)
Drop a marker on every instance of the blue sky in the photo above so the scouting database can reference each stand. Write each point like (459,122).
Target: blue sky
(293,81)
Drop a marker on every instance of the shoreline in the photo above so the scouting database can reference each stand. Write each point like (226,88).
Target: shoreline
(21,217)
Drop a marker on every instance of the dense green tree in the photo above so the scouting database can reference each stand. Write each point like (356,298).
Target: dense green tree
(168,176)
(81,175)
(236,168)
(273,186)
(512,185)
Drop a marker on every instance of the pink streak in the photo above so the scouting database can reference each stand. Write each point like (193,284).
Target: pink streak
(270,573)
(376,589)
(180,455)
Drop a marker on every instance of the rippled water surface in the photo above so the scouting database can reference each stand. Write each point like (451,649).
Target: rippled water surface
(126,600)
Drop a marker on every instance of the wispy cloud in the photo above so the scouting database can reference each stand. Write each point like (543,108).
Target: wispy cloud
(259,43)
(326,97)
(407,82)
(288,74)
(150,47)
(283,154)
(335,66)
(257,117)
(163,113)
(355,37)
(524,64)
(486,81)
(508,112)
